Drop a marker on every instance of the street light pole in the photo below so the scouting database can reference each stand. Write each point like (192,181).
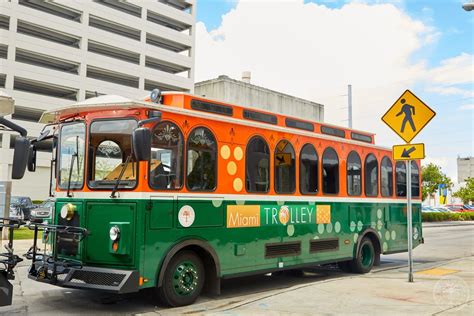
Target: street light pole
(349,104)
(468,6)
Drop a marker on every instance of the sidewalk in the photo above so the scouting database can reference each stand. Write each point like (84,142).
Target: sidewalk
(445,290)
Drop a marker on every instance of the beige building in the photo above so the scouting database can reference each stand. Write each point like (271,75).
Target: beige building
(465,168)
(242,92)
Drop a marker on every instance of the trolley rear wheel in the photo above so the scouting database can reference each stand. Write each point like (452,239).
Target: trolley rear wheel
(365,258)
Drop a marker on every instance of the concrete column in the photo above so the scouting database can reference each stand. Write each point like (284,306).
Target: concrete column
(5,141)
(192,53)
(83,47)
(10,71)
(141,80)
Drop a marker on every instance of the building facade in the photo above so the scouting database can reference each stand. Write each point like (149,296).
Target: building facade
(465,168)
(54,53)
(242,92)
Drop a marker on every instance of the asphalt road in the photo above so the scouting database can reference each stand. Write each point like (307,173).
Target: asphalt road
(442,244)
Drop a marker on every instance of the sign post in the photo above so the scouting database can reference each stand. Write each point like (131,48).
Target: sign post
(407,117)
(409,223)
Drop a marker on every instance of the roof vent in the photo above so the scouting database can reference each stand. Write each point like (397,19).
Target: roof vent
(246,76)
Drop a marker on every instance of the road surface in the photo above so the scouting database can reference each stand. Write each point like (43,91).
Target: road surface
(320,290)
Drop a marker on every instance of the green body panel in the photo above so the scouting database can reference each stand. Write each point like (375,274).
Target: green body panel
(155,228)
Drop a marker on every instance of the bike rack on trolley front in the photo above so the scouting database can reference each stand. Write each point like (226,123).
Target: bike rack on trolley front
(44,267)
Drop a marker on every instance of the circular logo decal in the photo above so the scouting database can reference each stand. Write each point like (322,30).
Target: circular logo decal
(284,215)
(186,216)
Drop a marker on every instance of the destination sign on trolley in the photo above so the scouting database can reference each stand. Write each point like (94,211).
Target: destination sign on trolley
(408,152)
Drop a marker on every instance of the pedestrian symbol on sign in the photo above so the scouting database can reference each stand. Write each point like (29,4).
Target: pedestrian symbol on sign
(408,110)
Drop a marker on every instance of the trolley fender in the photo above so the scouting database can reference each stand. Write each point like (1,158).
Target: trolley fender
(184,244)
(374,237)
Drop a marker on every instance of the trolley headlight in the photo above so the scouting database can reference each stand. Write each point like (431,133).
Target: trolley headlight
(114,233)
(67,211)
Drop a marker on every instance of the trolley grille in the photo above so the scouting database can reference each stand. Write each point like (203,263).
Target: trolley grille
(320,245)
(97,278)
(283,249)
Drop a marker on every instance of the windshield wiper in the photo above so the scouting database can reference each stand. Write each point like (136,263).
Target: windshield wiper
(114,190)
(74,157)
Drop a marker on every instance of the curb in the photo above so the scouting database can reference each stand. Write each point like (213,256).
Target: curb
(447,224)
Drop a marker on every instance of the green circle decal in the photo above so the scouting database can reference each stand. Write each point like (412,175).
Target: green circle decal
(321,228)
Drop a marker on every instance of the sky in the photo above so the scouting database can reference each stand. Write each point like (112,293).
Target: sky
(314,49)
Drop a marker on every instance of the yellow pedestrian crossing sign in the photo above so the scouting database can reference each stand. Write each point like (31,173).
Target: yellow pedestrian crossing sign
(408,116)
(408,152)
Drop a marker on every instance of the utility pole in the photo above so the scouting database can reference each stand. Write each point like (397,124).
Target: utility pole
(349,104)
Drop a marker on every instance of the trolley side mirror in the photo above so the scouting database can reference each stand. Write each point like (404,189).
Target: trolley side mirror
(32,158)
(20,157)
(141,140)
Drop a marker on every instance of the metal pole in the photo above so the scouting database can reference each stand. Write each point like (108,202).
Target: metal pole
(349,104)
(409,223)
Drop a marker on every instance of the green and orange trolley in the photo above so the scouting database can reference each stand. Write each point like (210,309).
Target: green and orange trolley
(177,192)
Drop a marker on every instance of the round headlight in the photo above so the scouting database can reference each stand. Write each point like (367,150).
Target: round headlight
(67,211)
(114,233)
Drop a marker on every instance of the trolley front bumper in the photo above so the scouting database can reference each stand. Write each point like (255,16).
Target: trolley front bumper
(83,277)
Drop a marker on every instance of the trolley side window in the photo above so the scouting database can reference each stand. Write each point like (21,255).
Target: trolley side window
(167,158)
(354,174)
(330,171)
(386,177)
(415,180)
(308,170)
(201,160)
(285,170)
(257,166)
(401,176)
(371,174)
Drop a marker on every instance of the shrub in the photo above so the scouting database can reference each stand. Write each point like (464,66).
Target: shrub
(440,217)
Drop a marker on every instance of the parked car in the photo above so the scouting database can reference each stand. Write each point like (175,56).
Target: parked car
(21,207)
(444,209)
(44,211)
(429,209)
(457,208)
(469,207)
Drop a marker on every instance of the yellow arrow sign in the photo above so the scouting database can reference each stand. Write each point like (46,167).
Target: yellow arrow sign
(408,116)
(283,159)
(408,152)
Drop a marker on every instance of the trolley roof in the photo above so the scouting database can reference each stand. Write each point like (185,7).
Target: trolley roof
(189,102)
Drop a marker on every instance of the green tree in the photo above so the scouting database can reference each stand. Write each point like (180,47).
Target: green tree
(466,193)
(432,177)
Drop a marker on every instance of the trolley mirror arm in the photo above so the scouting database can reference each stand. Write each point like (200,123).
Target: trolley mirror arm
(17,128)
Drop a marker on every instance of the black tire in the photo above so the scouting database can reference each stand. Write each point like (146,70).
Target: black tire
(365,257)
(183,280)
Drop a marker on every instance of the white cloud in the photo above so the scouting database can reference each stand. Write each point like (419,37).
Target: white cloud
(456,70)
(467,107)
(450,90)
(312,51)
(448,165)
